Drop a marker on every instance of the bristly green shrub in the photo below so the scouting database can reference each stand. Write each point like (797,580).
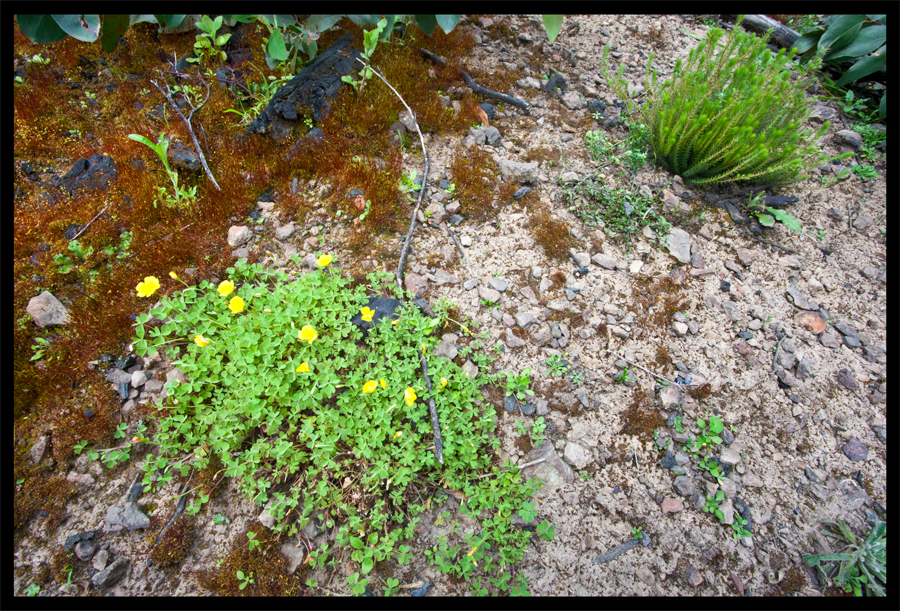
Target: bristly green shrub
(731,113)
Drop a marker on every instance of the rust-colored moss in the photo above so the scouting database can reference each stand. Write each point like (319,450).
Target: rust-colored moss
(267,564)
(474,173)
(175,543)
(552,235)
(636,420)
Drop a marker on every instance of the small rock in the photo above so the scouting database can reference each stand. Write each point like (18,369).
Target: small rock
(38,449)
(470,284)
(604,260)
(542,407)
(415,283)
(576,455)
(498,284)
(684,485)
(679,244)
(745,256)
(730,457)
(125,517)
(111,574)
(680,328)
(470,370)
(829,341)
(488,294)
(856,450)
(693,577)
(238,235)
(789,261)
(813,321)
(512,341)
(46,310)
(846,378)
(446,350)
(671,506)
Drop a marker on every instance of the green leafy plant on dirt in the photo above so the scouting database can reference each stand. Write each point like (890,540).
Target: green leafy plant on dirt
(731,112)
(282,387)
(859,39)
(767,216)
(861,565)
(179,196)
(210,45)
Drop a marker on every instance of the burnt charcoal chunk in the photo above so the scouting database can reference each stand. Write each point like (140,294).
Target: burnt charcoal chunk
(309,92)
(383,307)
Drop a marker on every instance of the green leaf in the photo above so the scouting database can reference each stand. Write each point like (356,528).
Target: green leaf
(85,28)
(864,67)
(320,23)
(552,25)
(842,32)
(788,220)
(447,22)
(41,29)
(357,543)
(426,23)
(868,40)
(363,20)
(367,565)
(766,220)
(275,47)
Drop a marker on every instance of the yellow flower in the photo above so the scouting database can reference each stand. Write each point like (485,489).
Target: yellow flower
(324,260)
(137,438)
(201,341)
(472,551)
(304,366)
(398,434)
(236,305)
(148,286)
(443,381)
(394,322)
(308,333)
(226,287)
(366,314)
(383,383)
(424,348)
(410,396)
(173,275)
(370,386)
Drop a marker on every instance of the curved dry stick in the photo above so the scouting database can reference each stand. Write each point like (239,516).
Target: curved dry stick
(187,121)
(435,423)
(524,105)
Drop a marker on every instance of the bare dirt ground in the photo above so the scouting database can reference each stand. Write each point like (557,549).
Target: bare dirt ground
(793,468)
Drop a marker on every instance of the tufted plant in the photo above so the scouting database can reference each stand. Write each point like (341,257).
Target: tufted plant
(733,111)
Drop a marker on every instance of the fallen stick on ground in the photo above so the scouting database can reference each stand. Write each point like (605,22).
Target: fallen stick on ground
(435,423)
(187,121)
(478,88)
(647,371)
(83,229)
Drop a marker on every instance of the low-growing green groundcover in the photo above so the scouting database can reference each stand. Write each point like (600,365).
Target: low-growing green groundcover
(318,423)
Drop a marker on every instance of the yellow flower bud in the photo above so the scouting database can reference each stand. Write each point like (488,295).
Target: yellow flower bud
(370,386)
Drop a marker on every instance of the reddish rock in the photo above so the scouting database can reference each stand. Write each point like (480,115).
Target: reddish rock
(814,321)
(671,506)
(743,348)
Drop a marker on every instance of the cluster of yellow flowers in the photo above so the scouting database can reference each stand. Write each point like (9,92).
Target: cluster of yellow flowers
(151,284)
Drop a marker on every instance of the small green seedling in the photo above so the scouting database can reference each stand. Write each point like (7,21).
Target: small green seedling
(623,377)
(638,533)
(712,504)
(32,590)
(245,579)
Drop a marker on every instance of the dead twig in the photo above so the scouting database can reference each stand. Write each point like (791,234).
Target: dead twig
(777,348)
(478,88)
(187,121)
(647,371)
(784,248)
(435,423)
(83,229)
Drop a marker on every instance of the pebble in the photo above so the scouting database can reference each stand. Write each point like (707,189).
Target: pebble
(671,506)
(604,260)
(498,284)
(488,294)
(468,284)
(856,450)
(846,378)
(812,321)
(829,341)
(684,485)
(512,341)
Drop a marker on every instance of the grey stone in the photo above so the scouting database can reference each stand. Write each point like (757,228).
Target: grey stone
(855,450)
(581,395)
(568,177)
(111,574)
(850,137)
(38,449)
(679,244)
(492,136)
(85,550)
(498,284)
(846,378)
(730,457)
(553,471)
(616,551)
(524,319)
(512,341)
(604,260)
(801,301)
(285,231)
(829,341)
(542,408)
(446,350)
(100,560)
(844,328)
(572,100)
(515,171)
(786,359)
(46,310)
(684,485)
(488,294)
(680,328)
(415,283)
(471,284)
(239,235)
(670,397)
(727,509)
(138,378)
(125,517)
(441,277)
(540,336)
(851,342)
(576,455)
(470,370)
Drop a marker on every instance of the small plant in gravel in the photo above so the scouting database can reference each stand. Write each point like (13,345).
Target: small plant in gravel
(767,216)
(518,384)
(245,579)
(712,504)
(281,386)
(555,366)
(707,437)
(638,533)
(209,45)
(861,564)
(623,377)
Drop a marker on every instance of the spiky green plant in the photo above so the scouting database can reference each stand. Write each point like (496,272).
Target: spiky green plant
(732,112)
(860,563)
